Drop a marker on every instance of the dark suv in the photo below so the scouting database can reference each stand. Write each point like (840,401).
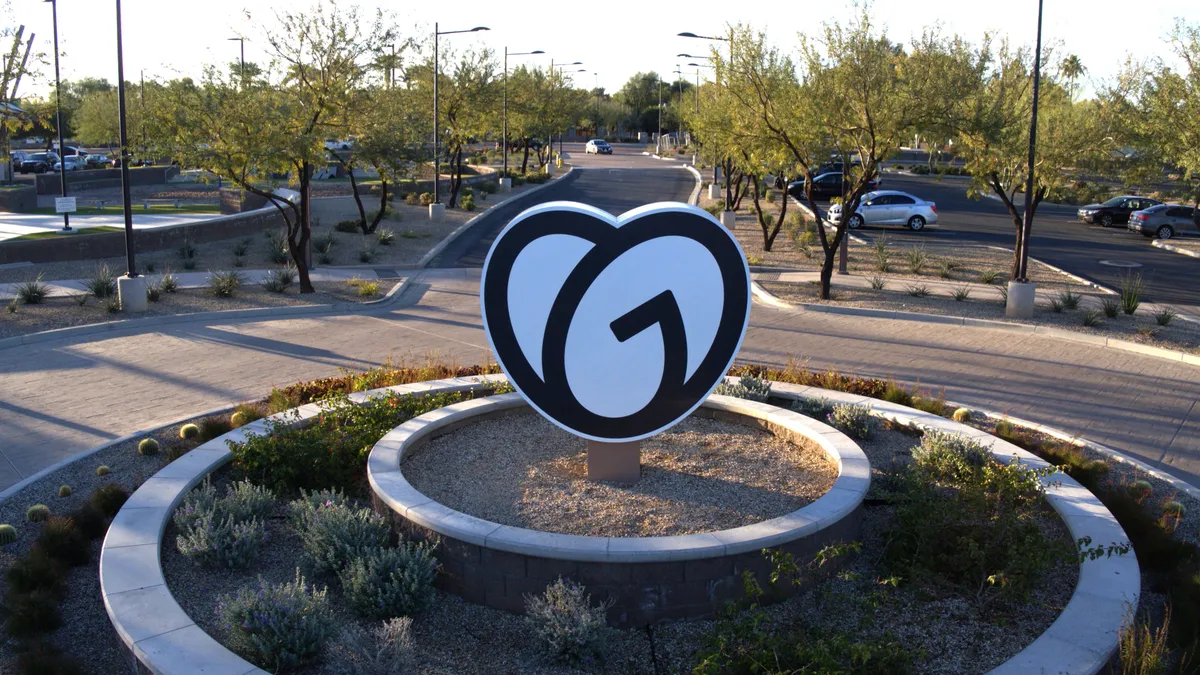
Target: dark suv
(1115,211)
(38,162)
(825,186)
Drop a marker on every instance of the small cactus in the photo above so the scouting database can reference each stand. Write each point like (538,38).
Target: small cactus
(8,534)
(962,415)
(148,447)
(189,431)
(1174,509)
(38,513)
(64,490)
(1141,489)
(238,419)
(103,470)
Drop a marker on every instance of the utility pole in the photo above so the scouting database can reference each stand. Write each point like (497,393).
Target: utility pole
(62,148)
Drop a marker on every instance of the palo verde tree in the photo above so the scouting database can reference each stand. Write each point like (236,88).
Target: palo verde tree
(391,140)
(248,132)
(16,66)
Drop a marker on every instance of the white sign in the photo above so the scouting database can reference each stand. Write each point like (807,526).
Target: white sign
(64,205)
(615,329)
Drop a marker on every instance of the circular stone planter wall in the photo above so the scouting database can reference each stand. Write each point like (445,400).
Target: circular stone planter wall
(648,579)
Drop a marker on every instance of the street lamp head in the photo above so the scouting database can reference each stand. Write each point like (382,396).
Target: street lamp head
(537,51)
(691,35)
(476,29)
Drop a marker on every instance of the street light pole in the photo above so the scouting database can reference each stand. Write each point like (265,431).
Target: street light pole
(437,169)
(728,190)
(504,176)
(242,60)
(131,270)
(550,134)
(62,148)
(1027,223)
(658,141)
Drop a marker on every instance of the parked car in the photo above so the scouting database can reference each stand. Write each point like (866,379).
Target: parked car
(825,186)
(597,146)
(98,161)
(889,207)
(70,151)
(1115,211)
(17,157)
(1163,221)
(38,162)
(70,163)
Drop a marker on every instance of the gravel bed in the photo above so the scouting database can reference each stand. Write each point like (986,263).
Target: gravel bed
(60,312)
(1192,244)
(701,476)
(86,631)
(1140,327)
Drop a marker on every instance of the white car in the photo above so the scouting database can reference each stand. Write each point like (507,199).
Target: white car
(597,146)
(890,207)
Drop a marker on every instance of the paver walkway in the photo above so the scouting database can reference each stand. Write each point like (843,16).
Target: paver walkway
(60,398)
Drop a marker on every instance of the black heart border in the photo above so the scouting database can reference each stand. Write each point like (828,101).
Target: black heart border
(612,237)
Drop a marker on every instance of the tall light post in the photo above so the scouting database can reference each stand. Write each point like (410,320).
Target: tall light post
(62,148)
(698,67)
(505,181)
(550,139)
(597,89)
(131,288)
(242,61)
(437,168)
(658,87)
(678,71)
(728,190)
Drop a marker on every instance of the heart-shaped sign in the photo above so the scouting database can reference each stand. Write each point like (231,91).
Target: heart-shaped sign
(615,328)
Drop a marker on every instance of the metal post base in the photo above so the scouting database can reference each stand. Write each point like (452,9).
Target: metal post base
(618,462)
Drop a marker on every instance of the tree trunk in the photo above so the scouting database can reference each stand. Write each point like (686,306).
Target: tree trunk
(827,272)
(298,245)
(455,176)
(348,167)
(740,191)
(383,205)
(769,231)
(525,158)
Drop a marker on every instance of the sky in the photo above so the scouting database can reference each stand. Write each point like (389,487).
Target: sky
(169,38)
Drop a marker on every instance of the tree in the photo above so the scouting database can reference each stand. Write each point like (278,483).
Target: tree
(1071,69)
(96,121)
(16,65)
(639,94)
(249,132)
(994,116)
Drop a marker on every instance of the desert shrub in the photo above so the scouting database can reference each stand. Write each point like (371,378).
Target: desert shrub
(1132,288)
(945,455)
(1069,299)
(918,290)
(38,513)
(917,257)
(222,542)
(386,650)
(278,280)
(962,415)
(189,432)
(147,447)
(112,304)
(852,419)
(324,242)
(40,657)
(568,627)
(489,186)
(936,406)
(426,198)
(108,499)
(1165,316)
(211,427)
(168,282)
(366,254)
(385,236)
(102,283)
(368,289)
(894,393)
(816,408)
(962,293)
(35,572)
(278,626)
(988,276)
(390,582)
(877,282)
(1143,651)
(242,501)
(32,292)
(333,536)
(153,292)
(245,414)
(31,613)
(277,247)
(348,226)
(747,387)
(224,284)
(90,522)
(467,202)
(1090,317)
(242,247)
(64,491)
(62,541)
(882,255)
(1141,490)
(716,208)
(331,451)
(412,199)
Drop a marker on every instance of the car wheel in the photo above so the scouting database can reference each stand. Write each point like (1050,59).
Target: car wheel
(1106,220)
(916,223)
(855,221)
(1165,232)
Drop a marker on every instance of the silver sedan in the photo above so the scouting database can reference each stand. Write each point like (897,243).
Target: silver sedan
(890,207)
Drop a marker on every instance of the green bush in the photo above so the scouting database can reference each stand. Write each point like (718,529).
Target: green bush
(489,186)
(747,387)
(222,542)
(467,202)
(245,414)
(852,419)
(35,572)
(168,282)
(389,582)
(332,450)
(333,536)
(949,456)
(211,427)
(568,627)
(385,650)
(90,522)
(894,393)
(385,236)
(61,540)
(241,502)
(426,198)
(31,613)
(147,447)
(224,284)
(102,283)
(278,280)
(38,513)
(816,408)
(108,499)
(278,626)
(32,292)
(412,199)
(348,226)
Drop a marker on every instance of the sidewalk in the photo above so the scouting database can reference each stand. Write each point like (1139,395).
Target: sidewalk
(64,288)
(60,398)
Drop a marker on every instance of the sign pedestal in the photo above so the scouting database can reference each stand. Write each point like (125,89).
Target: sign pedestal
(618,462)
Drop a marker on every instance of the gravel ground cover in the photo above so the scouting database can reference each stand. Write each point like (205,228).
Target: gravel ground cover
(1192,244)
(1141,327)
(701,476)
(60,312)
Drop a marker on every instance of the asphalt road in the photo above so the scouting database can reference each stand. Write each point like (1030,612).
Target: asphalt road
(615,183)
(1058,238)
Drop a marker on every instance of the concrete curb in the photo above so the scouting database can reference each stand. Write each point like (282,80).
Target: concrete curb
(441,245)
(1098,340)
(195,317)
(161,635)
(1085,635)
(30,480)
(694,198)
(1079,441)
(1159,243)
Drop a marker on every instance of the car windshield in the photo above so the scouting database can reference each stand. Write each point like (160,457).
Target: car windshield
(1115,201)
(40,155)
